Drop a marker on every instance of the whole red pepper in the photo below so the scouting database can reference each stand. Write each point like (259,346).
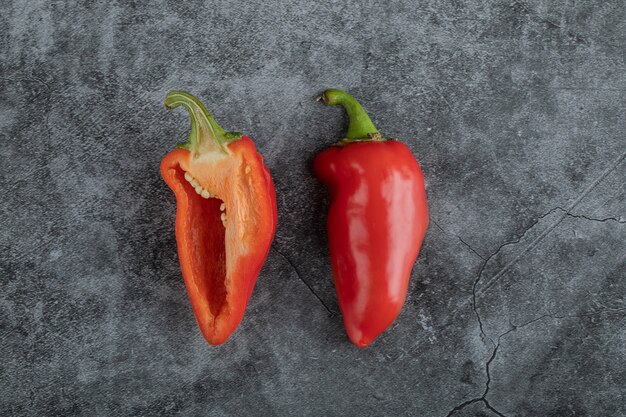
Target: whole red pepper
(225,217)
(376,222)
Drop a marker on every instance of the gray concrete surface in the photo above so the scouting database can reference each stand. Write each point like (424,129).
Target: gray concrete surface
(515,110)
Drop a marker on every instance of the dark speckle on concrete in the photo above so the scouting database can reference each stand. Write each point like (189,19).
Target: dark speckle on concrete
(514,109)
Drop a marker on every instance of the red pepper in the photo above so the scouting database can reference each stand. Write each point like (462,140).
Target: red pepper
(225,217)
(376,222)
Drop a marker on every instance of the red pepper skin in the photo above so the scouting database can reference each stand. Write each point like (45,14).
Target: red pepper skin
(377,220)
(220,259)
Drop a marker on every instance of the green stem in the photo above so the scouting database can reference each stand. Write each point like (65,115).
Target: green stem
(360,127)
(206,135)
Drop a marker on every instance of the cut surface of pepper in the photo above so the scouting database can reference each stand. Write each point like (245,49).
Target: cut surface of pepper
(377,221)
(225,217)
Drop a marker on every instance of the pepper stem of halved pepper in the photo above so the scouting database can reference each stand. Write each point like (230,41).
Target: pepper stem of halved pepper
(360,127)
(206,135)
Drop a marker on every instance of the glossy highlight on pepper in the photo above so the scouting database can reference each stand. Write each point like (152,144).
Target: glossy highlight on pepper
(377,221)
(225,217)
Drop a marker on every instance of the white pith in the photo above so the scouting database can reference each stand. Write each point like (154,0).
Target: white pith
(204,193)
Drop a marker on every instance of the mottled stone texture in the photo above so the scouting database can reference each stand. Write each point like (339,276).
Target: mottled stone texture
(516,111)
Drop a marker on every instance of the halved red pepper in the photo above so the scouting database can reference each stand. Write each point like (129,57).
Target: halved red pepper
(377,220)
(225,217)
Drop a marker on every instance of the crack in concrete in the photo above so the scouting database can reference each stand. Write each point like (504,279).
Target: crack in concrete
(593,219)
(463,405)
(497,345)
(471,248)
(484,265)
(546,232)
(566,213)
(472,401)
(460,239)
(475,293)
(293,266)
(514,327)
(513,242)
(483,397)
